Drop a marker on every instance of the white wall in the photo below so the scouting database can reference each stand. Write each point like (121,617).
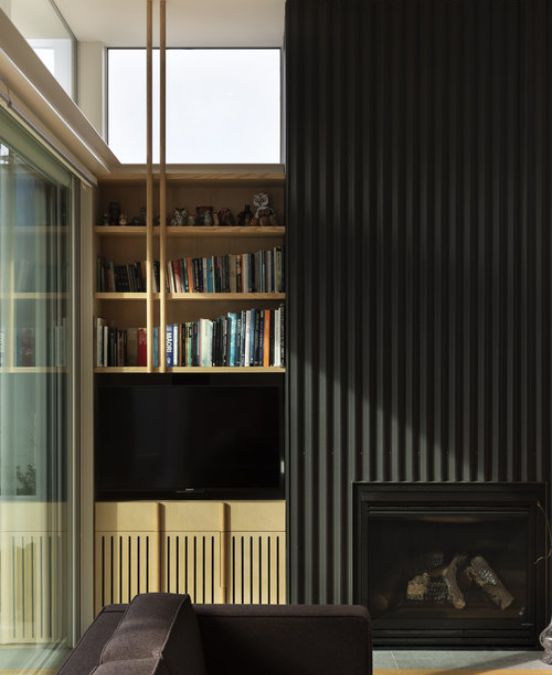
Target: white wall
(91,83)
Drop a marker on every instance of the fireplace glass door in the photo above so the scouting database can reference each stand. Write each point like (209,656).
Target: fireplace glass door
(441,569)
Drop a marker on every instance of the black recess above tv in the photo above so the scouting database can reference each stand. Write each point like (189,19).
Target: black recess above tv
(189,437)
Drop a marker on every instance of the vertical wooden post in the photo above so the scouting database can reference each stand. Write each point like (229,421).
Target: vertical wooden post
(149,182)
(162,185)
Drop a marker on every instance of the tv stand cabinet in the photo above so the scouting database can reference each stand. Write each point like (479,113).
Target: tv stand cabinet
(218,552)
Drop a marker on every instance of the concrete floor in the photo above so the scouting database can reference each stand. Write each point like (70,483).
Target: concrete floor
(450,660)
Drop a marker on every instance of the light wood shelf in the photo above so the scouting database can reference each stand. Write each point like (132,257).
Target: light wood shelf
(121,296)
(225,369)
(121,230)
(215,174)
(122,369)
(224,231)
(193,231)
(192,369)
(218,297)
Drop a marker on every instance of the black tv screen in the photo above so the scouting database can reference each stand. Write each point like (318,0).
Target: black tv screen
(178,441)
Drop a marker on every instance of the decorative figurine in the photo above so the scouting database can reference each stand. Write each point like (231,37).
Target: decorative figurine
(179,217)
(265,214)
(245,216)
(226,217)
(123,219)
(105,218)
(204,215)
(114,212)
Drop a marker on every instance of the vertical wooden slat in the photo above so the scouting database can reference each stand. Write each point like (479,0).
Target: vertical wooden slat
(162,184)
(149,180)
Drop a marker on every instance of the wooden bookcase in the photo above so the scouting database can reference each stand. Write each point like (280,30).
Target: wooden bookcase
(127,243)
(247,540)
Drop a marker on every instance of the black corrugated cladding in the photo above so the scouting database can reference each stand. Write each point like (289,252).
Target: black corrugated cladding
(418,211)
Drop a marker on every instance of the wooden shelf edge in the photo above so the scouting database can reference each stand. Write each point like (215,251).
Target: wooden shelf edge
(218,297)
(121,296)
(193,231)
(201,173)
(192,369)
(196,231)
(225,369)
(121,369)
(120,230)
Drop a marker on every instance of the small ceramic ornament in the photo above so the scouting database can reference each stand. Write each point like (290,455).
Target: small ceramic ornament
(123,219)
(179,217)
(264,214)
(226,217)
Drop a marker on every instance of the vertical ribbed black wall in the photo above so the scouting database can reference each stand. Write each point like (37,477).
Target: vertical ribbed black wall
(419,213)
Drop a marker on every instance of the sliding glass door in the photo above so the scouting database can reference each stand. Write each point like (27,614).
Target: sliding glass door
(37,196)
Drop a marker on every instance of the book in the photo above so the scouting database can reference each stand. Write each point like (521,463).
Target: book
(169,345)
(142,347)
(132,347)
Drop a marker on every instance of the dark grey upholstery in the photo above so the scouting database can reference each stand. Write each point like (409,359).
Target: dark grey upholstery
(132,667)
(286,639)
(86,654)
(158,625)
(267,640)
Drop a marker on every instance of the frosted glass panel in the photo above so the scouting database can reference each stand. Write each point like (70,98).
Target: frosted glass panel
(36,195)
(223,105)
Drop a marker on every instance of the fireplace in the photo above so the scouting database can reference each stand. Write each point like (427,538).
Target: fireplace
(455,564)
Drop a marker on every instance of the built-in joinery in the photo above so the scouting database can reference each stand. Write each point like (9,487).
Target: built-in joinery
(213,284)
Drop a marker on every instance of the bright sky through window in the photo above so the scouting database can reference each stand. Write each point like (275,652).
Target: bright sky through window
(223,105)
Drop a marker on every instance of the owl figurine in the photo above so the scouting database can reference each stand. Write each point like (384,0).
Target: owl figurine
(264,214)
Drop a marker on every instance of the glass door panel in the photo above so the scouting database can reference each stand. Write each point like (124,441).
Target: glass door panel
(36,571)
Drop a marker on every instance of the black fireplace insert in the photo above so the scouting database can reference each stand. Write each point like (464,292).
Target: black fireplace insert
(458,564)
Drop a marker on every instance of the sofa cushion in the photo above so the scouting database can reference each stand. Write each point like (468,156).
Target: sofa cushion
(132,667)
(158,626)
(286,639)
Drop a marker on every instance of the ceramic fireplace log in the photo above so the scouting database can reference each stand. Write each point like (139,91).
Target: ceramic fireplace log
(487,579)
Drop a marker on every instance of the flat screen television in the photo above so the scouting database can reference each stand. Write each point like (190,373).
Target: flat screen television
(175,441)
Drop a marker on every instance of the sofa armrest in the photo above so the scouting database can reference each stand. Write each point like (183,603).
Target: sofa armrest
(86,654)
(290,639)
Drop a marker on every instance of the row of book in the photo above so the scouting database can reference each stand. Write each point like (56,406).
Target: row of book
(43,346)
(259,272)
(252,337)
(111,278)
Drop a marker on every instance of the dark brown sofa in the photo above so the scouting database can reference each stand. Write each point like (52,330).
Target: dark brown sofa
(245,639)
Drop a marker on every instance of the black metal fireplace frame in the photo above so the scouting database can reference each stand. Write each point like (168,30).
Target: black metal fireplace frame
(456,498)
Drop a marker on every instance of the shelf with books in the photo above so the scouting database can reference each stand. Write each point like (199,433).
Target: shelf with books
(201,269)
